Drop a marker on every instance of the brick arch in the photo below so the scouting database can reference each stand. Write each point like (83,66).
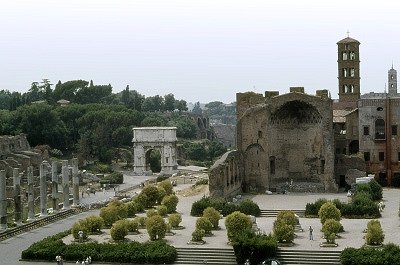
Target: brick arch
(295,112)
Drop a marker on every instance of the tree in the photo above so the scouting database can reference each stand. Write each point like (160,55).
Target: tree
(237,223)
(197,109)
(152,104)
(156,227)
(167,186)
(287,217)
(329,211)
(181,105)
(151,193)
(119,230)
(169,102)
(216,149)
(175,219)
(170,201)
(330,229)
(204,224)
(213,216)
(374,234)
(283,232)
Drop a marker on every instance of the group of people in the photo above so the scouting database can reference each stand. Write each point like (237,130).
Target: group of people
(86,261)
(59,259)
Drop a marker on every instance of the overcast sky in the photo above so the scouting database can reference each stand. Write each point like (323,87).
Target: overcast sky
(198,50)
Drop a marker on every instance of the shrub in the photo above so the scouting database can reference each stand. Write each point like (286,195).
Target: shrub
(396,180)
(170,201)
(131,209)
(152,194)
(198,234)
(329,211)
(93,223)
(114,178)
(199,206)
(389,254)
(374,234)
(78,226)
(141,221)
(287,217)
(256,248)
(151,212)
(249,207)
(132,225)
(201,182)
(141,202)
(228,208)
(175,219)
(167,186)
(376,190)
(161,194)
(119,230)
(162,210)
(331,227)
(109,215)
(283,232)
(237,223)
(204,224)
(312,209)
(156,227)
(213,216)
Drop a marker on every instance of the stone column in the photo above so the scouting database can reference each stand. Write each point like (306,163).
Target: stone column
(43,189)
(65,183)
(17,196)
(31,195)
(75,182)
(3,201)
(54,185)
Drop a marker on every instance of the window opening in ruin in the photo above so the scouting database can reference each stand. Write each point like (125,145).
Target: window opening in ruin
(344,72)
(272,165)
(346,46)
(322,166)
(166,160)
(353,147)
(258,164)
(379,109)
(380,129)
(398,156)
(351,89)
(296,112)
(394,129)
(259,134)
(352,55)
(367,156)
(344,56)
(352,72)
(366,130)
(345,89)
(381,156)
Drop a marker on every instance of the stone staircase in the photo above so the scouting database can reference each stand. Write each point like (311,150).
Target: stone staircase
(200,255)
(274,213)
(309,257)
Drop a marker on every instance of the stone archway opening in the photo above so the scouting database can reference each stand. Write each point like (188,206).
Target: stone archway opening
(153,160)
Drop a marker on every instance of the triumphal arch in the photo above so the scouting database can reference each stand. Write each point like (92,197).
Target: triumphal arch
(147,139)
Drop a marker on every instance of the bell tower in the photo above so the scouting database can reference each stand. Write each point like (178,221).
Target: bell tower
(349,70)
(392,81)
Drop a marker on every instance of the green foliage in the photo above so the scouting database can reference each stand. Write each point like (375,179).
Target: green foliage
(151,212)
(376,190)
(99,168)
(141,220)
(161,194)
(331,227)
(215,150)
(157,252)
(142,201)
(389,254)
(114,178)
(167,186)
(162,210)
(154,159)
(198,234)
(249,207)
(132,225)
(237,223)
(201,182)
(171,202)
(255,247)
(374,234)
(93,223)
(119,230)
(113,212)
(175,219)
(312,209)
(152,194)
(156,227)
(204,224)
(78,226)
(131,209)
(283,232)
(329,211)
(287,217)
(213,216)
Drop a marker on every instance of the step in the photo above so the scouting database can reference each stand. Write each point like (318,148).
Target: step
(274,212)
(214,256)
(312,257)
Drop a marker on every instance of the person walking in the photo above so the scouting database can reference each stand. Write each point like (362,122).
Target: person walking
(311,233)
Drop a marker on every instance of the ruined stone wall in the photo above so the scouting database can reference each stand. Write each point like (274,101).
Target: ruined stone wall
(225,133)
(226,175)
(289,137)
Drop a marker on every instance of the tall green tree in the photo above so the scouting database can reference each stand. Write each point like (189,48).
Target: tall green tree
(169,102)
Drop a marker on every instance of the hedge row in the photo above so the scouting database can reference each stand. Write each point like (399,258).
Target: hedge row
(157,252)
(388,255)
(224,207)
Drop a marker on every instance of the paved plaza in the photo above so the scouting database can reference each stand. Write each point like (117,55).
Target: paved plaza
(10,249)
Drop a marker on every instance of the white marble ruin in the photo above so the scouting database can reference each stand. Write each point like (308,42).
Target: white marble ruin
(146,139)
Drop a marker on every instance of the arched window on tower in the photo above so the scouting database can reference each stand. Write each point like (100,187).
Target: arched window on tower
(345,88)
(344,56)
(352,72)
(380,129)
(344,72)
(352,55)
(351,89)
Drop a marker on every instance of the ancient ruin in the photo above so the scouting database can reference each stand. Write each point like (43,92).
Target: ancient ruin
(147,139)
